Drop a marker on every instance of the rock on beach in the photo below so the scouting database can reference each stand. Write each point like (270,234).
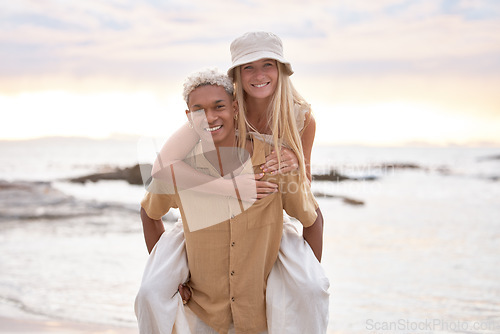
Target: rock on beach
(130,174)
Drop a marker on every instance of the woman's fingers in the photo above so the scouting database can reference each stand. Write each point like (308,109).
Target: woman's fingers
(287,169)
(289,162)
(265,188)
(250,188)
(270,166)
(258,176)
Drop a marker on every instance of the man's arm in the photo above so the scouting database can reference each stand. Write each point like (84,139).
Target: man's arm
(152,229)
(314,235)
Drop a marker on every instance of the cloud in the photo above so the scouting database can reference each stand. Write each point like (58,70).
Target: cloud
(151,39)
(446,53)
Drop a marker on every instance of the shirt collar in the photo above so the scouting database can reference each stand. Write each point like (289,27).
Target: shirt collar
(260,150)
(200,162)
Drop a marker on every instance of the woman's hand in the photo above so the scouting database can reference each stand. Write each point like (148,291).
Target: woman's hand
(264,188)
(289,162)
(250,188)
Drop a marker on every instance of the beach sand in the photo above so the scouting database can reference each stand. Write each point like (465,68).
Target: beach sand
(29,326)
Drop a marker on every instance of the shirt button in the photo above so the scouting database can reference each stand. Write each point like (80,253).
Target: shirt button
(232,216)
(232,273)
(232,299)
(232,244)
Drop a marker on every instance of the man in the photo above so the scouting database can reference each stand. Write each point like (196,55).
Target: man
(231,245)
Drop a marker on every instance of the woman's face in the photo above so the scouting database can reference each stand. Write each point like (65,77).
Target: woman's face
(260,78)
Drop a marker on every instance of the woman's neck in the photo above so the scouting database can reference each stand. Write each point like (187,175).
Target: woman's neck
(257,113)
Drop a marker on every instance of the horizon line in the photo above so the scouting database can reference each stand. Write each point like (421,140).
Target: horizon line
(133,137)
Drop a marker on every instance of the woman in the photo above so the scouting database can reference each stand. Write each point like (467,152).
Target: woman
(271,108)
(275,111)
(271,104)
(240,279)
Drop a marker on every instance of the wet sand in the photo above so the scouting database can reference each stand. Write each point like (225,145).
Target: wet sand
(29,326)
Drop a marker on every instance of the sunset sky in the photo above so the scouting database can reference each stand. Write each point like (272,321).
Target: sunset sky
(385,72)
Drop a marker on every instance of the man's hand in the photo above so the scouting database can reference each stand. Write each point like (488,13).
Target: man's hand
(184,292)
(314,235)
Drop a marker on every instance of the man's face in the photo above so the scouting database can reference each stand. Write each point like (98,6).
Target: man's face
(212,111)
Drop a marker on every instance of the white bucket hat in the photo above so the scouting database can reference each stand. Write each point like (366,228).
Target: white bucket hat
(257,45)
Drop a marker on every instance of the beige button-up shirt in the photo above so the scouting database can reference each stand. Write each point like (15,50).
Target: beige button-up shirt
(230,260)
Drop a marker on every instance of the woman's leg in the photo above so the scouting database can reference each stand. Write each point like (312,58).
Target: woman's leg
(158,305)
(297,297)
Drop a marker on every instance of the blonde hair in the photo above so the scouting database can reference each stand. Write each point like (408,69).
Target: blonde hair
(281,116)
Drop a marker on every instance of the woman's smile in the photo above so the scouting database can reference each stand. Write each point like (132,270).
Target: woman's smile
(261,85)
(259,78)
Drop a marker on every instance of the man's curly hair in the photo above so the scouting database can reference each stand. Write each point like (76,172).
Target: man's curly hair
(209,76)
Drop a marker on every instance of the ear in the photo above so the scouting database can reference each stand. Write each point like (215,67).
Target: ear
(235,105)
(187,114)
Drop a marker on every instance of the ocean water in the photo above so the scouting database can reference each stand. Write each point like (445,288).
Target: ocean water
(420,254)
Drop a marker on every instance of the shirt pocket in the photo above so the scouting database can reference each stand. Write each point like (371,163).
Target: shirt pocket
(265,211)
